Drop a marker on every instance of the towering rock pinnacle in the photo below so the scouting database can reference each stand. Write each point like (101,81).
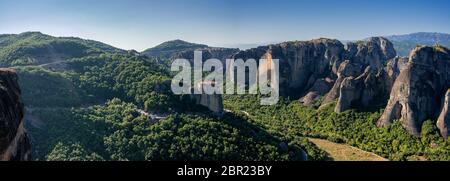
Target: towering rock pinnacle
(443,122)
(14,143)
(364,74)
(211,101)
(419,89)
(374,52)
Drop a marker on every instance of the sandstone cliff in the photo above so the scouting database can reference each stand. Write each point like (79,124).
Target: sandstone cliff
(14,143)
(302,63)
(361,77)
(314,69)
(443,121)
(211,101)
(419,90)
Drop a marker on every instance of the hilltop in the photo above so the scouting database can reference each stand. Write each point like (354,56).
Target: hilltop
(35,48)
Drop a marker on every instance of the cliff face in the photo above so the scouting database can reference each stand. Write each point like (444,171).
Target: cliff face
(317,68)
(14,143)
(419,90)
(212,102)
(360,78)
(301,63)
(314,69)
(443,121)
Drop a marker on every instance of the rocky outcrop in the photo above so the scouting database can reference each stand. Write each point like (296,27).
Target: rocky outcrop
(346,69)
(14,143)
(319,88)
(443,121)
(374,52)
(316,69)
(362,91)
(393,69)
(419,88)
(211,101)
(301,63)
(363,72)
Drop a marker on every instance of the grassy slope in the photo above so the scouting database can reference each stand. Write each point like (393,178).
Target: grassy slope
(342,152)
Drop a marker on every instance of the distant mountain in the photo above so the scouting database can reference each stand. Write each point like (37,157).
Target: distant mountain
(246,46)
(169,48)
(405,43)
(35,48)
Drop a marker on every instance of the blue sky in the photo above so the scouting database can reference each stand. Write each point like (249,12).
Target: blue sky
(140,24)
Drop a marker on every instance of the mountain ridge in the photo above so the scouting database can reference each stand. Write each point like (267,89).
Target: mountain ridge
(34,48)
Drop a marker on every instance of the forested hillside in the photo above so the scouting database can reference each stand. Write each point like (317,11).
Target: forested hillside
(33,48)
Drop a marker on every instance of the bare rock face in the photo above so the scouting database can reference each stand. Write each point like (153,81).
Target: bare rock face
(352,89)
(211,101)
(361,91)
(301,62)
(305,65)
(393,69)
(443,121)
(346,69)
(14,143)
(361,78)
(418,90)
(374,52)
(319,88)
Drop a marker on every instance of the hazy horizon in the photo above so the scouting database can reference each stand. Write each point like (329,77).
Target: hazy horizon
(139,24)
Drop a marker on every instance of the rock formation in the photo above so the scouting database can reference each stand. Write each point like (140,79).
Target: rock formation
(211,101)
(301,63)
(374,52)
(346,69)
(317,68)
(14,143)
(319,88)
(393,69)
(443,121)
(363,72)
(419,89)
